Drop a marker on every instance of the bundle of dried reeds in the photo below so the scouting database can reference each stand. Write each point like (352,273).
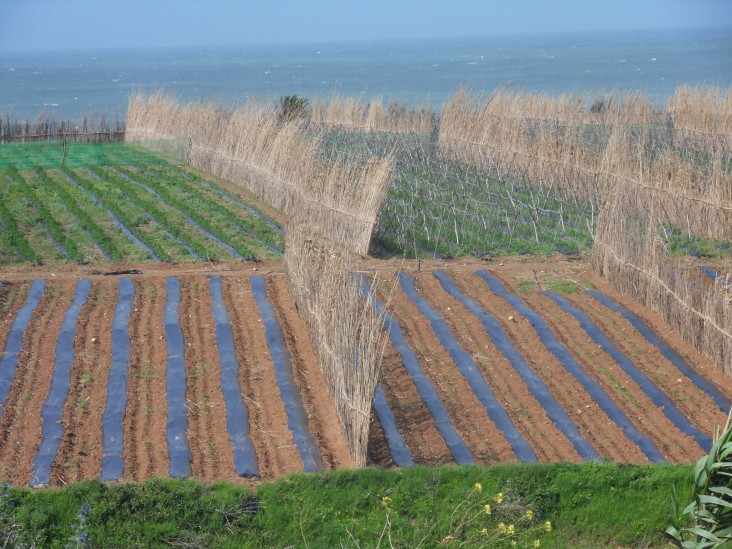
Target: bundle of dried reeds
(348,114)
(346,333)
(277,160)
(703,118)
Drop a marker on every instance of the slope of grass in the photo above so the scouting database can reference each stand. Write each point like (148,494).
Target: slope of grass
(589,505)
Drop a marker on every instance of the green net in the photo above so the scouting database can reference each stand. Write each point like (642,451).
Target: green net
(53,154)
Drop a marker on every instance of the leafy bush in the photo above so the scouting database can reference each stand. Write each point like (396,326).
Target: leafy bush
(292,107)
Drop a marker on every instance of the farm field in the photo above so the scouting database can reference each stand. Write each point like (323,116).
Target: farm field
(116,203)
(148,384)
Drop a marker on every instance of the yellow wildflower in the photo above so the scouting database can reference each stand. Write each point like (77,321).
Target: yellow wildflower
(385,501)
(499,498)
(487,509)
(513,543)
(484,531)
(529,515)
(548,526)
(511,529)
(502,528)
(478,487)
(537,543)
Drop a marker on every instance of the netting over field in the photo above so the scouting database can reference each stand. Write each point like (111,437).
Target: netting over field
(52,154)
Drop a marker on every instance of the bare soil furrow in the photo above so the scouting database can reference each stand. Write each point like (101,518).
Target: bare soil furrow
(693,402)
(413,418)
(80,453)
(276,452)
(213,456)
(20,425)
(146,451)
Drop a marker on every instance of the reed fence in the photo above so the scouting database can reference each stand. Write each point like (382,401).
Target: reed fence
(96,128)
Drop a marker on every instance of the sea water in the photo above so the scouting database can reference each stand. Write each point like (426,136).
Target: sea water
(73,83)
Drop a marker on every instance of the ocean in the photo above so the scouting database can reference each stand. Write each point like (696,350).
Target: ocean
(75,83)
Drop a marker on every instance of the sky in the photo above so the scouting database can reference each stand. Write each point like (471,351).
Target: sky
(27,25)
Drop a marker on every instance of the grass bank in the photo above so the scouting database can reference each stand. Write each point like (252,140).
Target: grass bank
(589,505)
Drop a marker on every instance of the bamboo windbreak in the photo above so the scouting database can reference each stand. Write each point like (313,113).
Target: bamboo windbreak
(649,179)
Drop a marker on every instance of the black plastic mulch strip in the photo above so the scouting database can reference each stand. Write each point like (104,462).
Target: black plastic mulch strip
(237,415)
(297,419)
(175,385)
(53,408)
(139,243)
(535,384)
(14,342)
(190,220)
(400,454)
(593,388)
(715,276)
(460,452)
(658,397)
(113,464)
(472,374)
(669,352)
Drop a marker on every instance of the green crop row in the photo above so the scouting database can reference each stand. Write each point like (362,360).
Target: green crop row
(137,221)
(10,234)
(249,218)
(80,207)
(203,212)
(173,221)
(235,216)
(57,233)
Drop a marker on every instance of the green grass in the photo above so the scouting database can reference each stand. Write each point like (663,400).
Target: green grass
(589,505)
(682,243)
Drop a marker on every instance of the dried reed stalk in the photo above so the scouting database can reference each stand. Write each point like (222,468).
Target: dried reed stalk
(702,117)
(348,114)
(347,335)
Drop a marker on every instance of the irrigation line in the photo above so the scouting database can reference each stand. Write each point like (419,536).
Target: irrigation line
(53,409)
(175,386)
(658,397)
(535,384)
(114,219)
(297,419)
(237,415)
(460,452)
(14,342)
(113,464)
(593,388)
(669,352)
(472,374)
